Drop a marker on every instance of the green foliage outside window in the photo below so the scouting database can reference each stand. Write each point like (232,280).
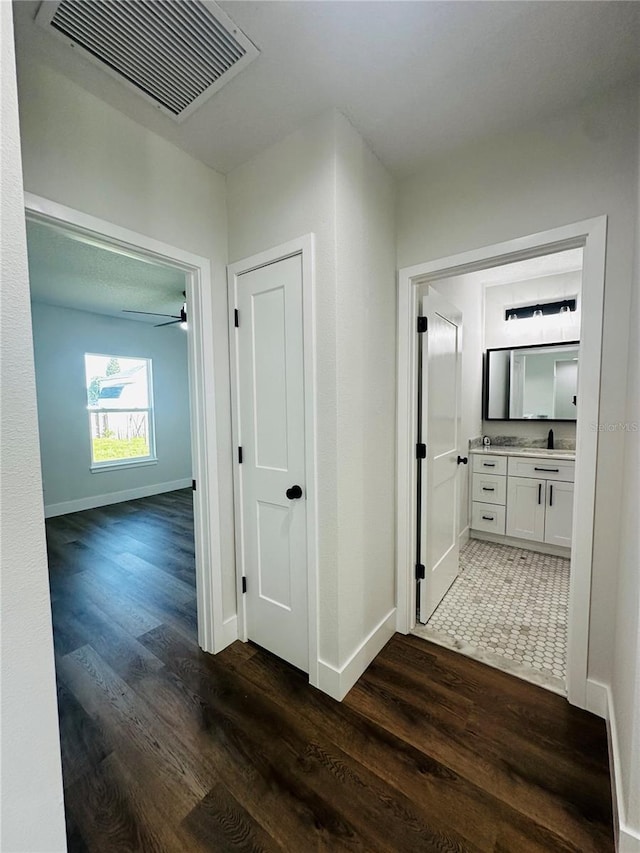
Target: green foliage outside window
(109,448)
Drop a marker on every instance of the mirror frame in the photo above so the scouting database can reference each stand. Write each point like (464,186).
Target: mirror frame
(485,384)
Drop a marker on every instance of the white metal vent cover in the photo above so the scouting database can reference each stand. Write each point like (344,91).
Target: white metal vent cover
(176,53)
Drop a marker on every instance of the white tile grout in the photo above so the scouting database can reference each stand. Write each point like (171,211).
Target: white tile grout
(510,603)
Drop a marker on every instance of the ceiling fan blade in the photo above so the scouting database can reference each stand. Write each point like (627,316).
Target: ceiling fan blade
(150,313)
(170,323)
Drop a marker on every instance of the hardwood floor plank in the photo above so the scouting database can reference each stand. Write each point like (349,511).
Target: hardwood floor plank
(168,748)
(151,577)
(116,603)
(549,718)
(219,822)
(83,743)
(143,741)
(504,777)
(286,813)
(291,746)
(433,787)
(107,815)
(127,657)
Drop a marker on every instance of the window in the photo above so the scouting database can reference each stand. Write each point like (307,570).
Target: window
(119,401)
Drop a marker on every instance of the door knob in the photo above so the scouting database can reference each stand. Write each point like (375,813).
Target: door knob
(462,460)
(293,493)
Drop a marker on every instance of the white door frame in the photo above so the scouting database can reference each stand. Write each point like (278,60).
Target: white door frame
(590,234)
(204,445)
(303,246)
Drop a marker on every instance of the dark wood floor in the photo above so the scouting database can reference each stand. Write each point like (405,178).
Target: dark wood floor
(168,749)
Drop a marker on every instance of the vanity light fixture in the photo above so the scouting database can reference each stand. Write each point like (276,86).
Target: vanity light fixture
(563,306)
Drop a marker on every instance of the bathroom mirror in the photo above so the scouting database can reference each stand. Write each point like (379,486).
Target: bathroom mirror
(532,383)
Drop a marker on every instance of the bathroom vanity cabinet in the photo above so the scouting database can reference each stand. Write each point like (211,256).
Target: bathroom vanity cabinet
(516,495)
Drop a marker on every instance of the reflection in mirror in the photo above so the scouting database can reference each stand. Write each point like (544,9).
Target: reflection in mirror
(532,383)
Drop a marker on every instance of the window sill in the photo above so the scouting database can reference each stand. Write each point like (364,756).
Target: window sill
(115,466)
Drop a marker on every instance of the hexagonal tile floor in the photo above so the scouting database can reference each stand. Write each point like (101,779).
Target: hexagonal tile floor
(510,606)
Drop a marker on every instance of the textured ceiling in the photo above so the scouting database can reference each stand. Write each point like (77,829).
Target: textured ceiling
(65,271)
(415,78)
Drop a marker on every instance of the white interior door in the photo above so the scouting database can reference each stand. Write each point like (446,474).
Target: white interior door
(272,473)
(440,422)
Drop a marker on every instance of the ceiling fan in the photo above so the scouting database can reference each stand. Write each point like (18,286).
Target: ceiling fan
(176,318)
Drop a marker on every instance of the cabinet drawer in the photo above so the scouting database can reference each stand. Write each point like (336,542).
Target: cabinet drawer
(541,469)
(489,488)
(488,517)
(489,464)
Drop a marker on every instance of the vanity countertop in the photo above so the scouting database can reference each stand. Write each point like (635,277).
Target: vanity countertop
(505,450)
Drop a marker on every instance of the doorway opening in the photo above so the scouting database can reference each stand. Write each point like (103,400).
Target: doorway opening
(562,500)
(504,599)
(143,420)
(112,380)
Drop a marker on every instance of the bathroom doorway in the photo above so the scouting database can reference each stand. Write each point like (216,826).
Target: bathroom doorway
(506,600)
(481,283)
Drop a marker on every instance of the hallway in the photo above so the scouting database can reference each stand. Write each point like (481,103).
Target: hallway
(168,749)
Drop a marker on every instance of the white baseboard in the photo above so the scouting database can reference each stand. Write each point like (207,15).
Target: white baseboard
(229,632)
(337,682)
(463,537)
(95,501)
(628,841)
(538,547)
(596,698)
(627,838)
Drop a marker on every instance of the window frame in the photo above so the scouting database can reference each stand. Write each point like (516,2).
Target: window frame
(135,461)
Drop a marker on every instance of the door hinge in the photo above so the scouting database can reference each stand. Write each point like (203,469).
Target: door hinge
(244,583)
(420,572)
(193,485)
(421,451)
(422,324)
(236,318)
(240,456)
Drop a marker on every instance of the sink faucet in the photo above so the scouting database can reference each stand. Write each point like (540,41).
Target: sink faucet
(550,440)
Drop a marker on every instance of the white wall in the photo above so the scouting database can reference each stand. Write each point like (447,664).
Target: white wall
(574,167)
(366,388)
(323,179)
(80,152)
(626,672)
(284,192)
(61,338)
(550,288)
(497,334)
(32,818)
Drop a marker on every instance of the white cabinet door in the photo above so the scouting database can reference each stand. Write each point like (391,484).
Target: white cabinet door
(526,508)
(559,514)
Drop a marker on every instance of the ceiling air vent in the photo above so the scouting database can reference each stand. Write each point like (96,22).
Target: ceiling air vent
(176,53)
